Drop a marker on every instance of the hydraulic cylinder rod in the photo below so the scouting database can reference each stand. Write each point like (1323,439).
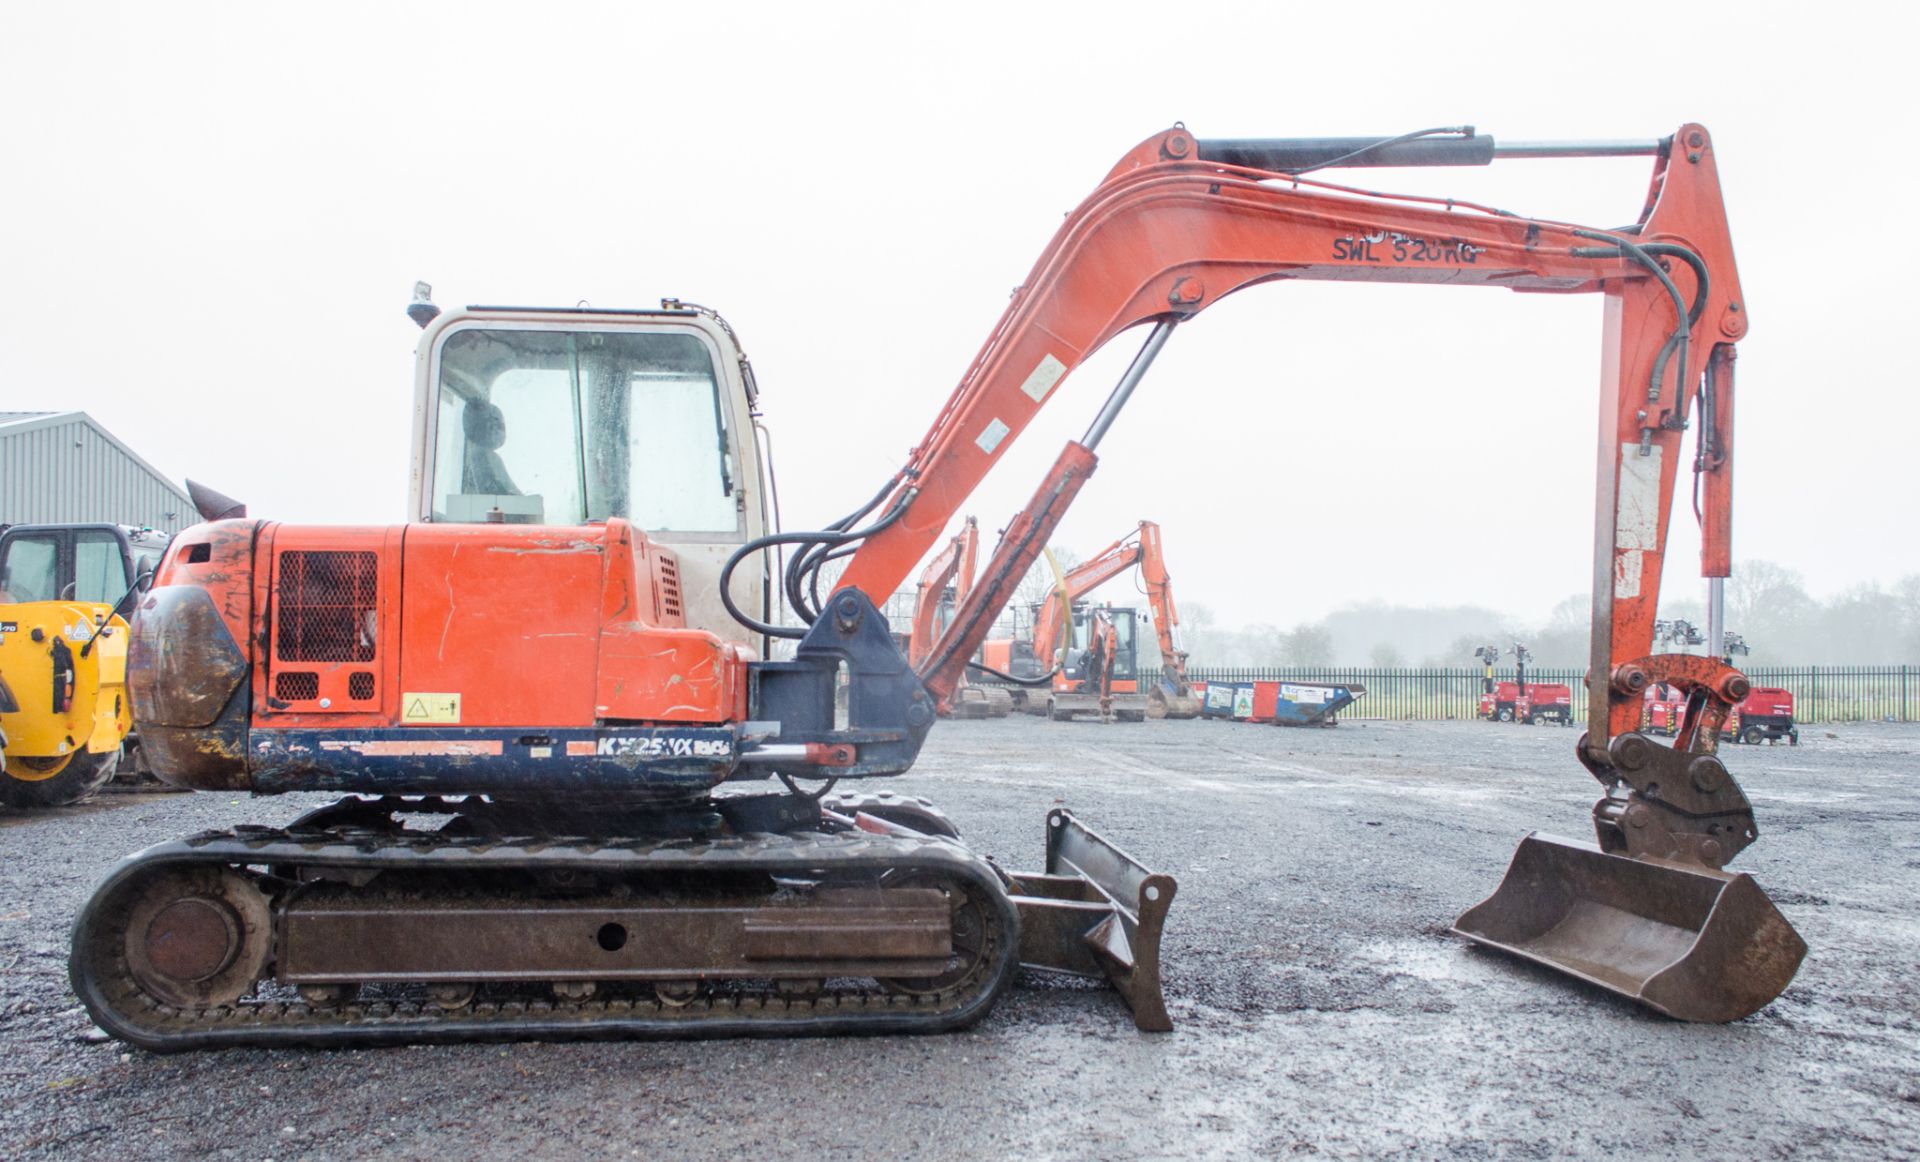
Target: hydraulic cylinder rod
(1142,360)
(1290,154)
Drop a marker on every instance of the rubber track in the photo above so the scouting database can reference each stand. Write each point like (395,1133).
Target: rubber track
(100,977)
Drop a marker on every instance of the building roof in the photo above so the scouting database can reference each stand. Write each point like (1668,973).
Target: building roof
(17,423)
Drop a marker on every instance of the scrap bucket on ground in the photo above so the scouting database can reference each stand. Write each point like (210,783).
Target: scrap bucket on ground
(1689,941)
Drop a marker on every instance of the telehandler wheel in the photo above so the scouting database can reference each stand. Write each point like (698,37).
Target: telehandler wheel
(1753,736)
(55,782)
(1505,714)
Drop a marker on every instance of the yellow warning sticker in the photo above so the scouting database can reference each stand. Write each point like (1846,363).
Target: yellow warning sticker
(429,708)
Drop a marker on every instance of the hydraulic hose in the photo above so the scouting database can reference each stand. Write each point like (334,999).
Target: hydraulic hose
(802,570)
(760,545)
(1045,679)
(807,560)
(1684,314)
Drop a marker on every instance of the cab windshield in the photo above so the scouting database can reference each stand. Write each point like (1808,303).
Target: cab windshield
(1124,662)
(565,427)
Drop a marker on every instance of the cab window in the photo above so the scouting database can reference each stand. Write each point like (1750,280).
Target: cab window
(99,572)
(30,570)
(564,427)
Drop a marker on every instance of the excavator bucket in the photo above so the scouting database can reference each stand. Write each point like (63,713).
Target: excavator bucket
(977,702)
(1689,941)
(1097,912)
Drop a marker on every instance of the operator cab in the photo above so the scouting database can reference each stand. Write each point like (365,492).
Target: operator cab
(1125,666)
(571,417)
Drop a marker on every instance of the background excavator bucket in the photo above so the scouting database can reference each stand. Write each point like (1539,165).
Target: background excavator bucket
(1691,942)
(1097,912)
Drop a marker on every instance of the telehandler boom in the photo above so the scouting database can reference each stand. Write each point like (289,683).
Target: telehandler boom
(541,665)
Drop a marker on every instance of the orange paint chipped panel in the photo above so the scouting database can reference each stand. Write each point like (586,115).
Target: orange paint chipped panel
(506,617)
(667,675)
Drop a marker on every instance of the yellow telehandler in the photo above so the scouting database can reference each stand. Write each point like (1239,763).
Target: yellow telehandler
(63,700)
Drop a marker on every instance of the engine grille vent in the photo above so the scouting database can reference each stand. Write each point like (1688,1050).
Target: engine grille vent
(670,587)
(360,686)
(296,686)
(327,601)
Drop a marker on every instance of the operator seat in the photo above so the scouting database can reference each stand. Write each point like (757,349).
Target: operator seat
(485,473)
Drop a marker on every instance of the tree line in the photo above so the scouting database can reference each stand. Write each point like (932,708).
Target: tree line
(1767,604)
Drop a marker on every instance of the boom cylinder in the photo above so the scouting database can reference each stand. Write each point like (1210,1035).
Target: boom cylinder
(1286,154)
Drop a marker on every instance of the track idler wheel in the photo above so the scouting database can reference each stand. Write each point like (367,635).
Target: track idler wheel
(199,937)
(972,941)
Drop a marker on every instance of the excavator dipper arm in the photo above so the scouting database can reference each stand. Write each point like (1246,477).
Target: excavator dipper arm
(1166,617)
(1181,223)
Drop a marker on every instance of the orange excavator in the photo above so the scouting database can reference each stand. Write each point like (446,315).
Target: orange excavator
(583,802)
(944,583)
(1095,668)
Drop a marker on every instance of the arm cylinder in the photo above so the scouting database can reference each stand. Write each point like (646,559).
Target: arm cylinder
(1288,154)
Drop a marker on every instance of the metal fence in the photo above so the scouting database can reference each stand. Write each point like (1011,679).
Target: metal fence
(1820,693)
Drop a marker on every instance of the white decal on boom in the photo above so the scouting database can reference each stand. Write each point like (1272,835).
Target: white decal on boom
(1044,375)
(1636,524)
(1637,520)
(991,437)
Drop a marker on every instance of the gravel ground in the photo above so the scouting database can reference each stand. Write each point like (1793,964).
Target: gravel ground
(1321,1006)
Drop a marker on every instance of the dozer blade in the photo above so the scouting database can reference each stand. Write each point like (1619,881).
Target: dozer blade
(1685,940)
(1097,912)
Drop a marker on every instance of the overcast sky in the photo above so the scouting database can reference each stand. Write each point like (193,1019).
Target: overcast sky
(213,217)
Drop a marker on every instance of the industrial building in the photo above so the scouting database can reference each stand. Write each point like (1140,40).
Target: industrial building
(65,468)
